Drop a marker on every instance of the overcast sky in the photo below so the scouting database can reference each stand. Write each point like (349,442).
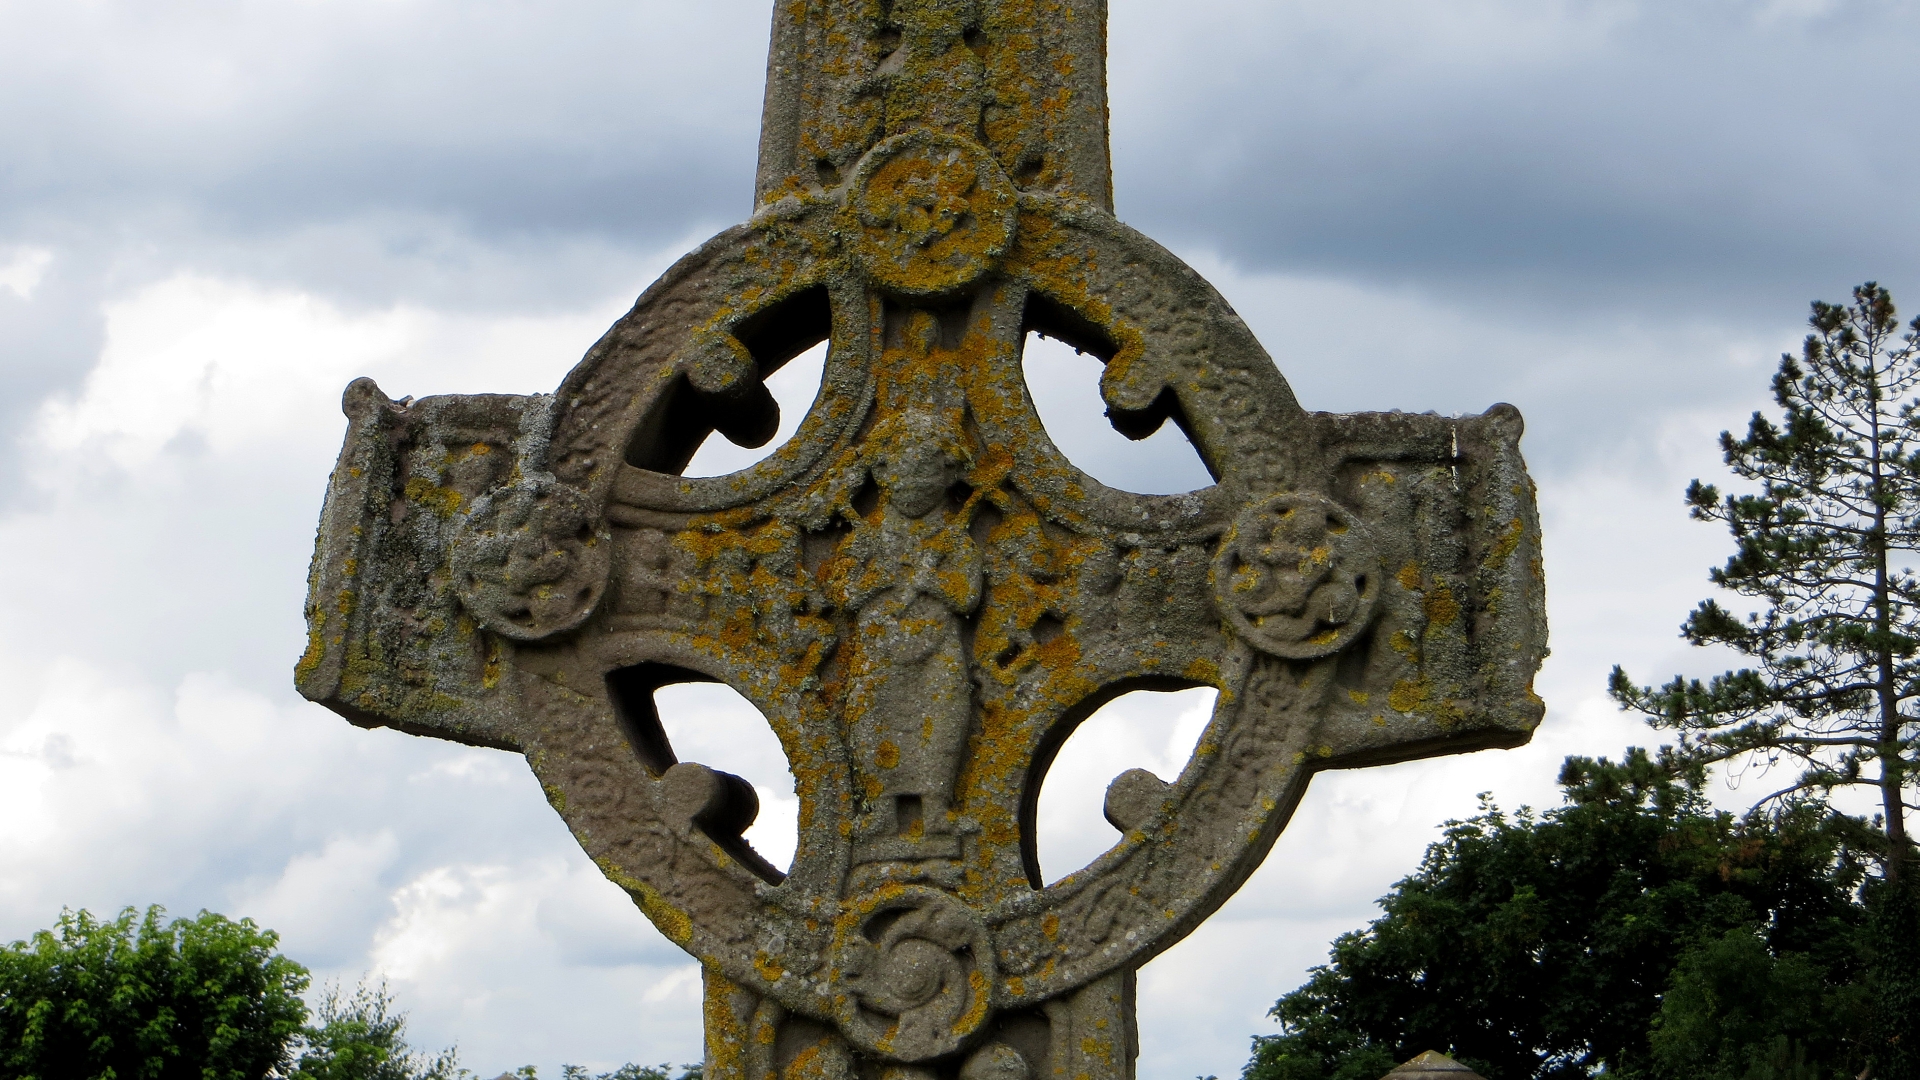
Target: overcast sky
(213,215)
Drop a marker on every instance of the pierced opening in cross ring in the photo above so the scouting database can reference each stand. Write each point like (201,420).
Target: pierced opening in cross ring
(1047,753)
(685,418)
(665,710)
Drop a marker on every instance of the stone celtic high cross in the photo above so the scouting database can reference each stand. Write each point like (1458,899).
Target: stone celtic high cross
(922,595)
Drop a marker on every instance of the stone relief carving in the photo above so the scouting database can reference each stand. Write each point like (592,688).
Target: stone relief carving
(1297,576)
(918,590)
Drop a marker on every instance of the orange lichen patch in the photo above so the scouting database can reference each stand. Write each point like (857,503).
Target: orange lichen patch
(976,1013)
(444,501)
(1204,670)
(1441,608)
(1360,697)
(726,1042)
(808,1063)
(1408,695)
(1409,577)
(309,662)
(769,967)
(673,922)
(888,754)
(492,668)
(1509,542)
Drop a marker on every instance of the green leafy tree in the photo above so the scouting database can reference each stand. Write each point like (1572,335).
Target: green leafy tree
(1830,696)
(141,999)
(1836,649)
(1539,946)
(361,1037)
(1737,1010)
(631,1071)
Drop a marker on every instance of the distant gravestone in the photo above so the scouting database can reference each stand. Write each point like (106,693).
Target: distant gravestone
(922,595)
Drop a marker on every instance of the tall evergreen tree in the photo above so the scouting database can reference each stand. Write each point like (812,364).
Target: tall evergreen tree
(1825,545)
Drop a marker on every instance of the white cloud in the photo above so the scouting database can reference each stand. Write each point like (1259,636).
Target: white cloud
(1142,730)
(21,269)
(234,366)
(322,900)
(470,950)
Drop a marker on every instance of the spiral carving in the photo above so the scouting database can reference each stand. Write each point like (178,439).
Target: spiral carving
(915,969)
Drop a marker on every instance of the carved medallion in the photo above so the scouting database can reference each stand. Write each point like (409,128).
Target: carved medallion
(1297,576)
(532,560)
(931,212)
(914,974)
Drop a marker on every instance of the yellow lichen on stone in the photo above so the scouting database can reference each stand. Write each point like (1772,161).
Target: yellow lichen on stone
(444,501)
(1509,542)
(1408,695)
(1441,608)
(1409,577)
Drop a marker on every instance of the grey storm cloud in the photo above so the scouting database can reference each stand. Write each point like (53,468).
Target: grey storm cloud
(617,119)
(1598,151)
(1605,144)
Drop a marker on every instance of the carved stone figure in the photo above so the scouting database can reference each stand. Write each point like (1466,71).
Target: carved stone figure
(921,594)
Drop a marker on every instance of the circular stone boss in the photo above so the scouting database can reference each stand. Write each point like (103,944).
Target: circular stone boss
(1297,576)
(930,213)
(532,560)
(917,968)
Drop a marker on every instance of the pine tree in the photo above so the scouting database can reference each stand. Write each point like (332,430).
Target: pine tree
(1825,545)
(1822,544)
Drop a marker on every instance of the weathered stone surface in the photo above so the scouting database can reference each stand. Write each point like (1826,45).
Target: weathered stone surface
(922,595)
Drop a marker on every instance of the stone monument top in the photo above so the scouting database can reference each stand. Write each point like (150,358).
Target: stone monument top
(1435,1066)
(918,590)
